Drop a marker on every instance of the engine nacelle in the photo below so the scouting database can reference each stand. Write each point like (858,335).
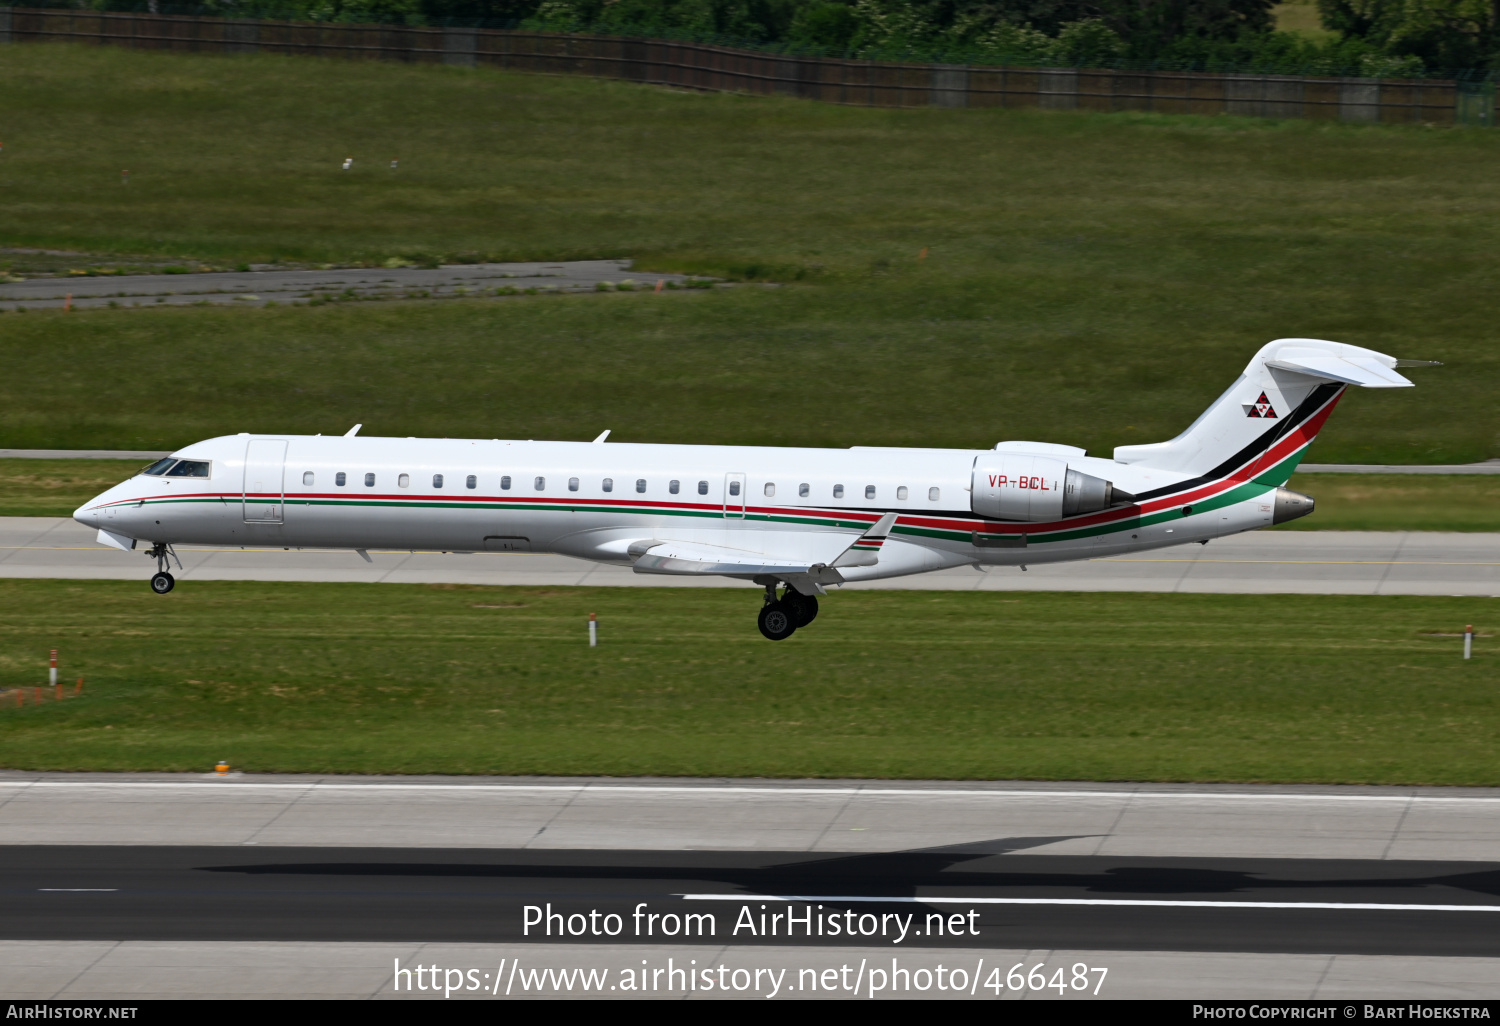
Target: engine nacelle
(1037,488)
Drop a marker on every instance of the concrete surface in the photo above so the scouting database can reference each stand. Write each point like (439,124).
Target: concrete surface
(75,970)
(1265,562)
(1137,820)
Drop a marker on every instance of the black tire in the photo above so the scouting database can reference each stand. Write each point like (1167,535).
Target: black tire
(776,622)
(162,583)
(804,608)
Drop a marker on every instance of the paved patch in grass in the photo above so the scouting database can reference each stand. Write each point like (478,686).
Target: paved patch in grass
(1092,279)
(412,679)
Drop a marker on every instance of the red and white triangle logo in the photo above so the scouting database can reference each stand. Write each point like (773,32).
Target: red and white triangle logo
(1261,408)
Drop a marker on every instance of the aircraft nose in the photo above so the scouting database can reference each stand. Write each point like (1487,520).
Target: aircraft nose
(88,514)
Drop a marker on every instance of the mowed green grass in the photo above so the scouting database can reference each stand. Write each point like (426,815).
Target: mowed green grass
(1091,279)
(1345,502)
(395,678)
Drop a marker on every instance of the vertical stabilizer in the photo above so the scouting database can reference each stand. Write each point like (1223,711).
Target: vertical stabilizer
(1259,429)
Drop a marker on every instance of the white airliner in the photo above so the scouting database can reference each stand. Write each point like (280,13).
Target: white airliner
(796,519)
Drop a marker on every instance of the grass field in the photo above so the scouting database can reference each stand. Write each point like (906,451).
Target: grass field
(1092,279)
(395,678)
(1346,502)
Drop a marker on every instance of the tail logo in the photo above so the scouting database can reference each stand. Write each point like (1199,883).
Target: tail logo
(1261,408)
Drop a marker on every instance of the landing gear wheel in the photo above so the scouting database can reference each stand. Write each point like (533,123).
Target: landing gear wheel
(804,608)
(162,583)
(776,621)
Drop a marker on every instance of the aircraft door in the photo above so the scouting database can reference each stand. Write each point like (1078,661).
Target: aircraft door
(265,465)
(734,495)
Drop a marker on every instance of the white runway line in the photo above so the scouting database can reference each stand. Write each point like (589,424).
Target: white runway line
(1123,902)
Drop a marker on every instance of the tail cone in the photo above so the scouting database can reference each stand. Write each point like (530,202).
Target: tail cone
(1290,505)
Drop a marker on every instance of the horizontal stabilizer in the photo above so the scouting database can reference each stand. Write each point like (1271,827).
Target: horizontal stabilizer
(1366,371)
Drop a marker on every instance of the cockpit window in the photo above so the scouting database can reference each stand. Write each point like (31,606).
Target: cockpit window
(190,468)
(159,468)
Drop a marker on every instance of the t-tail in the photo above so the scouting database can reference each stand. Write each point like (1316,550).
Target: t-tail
(1255,434)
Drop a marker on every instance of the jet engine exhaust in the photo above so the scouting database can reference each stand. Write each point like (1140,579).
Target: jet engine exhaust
(1085,493)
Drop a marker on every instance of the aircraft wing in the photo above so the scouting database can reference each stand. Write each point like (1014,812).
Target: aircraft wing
(787,555)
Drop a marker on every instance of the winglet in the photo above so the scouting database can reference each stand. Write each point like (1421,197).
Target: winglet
(865,550)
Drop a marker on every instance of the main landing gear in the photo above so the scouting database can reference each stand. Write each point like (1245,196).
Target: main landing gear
(162,581)
(780,617)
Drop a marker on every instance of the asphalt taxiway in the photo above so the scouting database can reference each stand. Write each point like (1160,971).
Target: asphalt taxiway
(1264,562)
(159,885)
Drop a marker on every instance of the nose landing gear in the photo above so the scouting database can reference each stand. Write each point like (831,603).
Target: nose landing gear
(780,617)
(162,581)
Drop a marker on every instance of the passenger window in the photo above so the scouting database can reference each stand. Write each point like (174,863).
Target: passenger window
(901,494)
(159,468)
(572,484)
(541,483)
(702,487)
(804,490)
(340,479)
(770,489)
(640,484)
(437,480)
(307,478)
(674,487)
(369,480)
(189,468)
(838,491)
(404,481)
(473,482)
(504,482)
(869,491)
(933,495)
(734,488)
(609,484)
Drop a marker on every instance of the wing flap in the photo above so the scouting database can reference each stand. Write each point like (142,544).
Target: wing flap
(697,558)
(801,553)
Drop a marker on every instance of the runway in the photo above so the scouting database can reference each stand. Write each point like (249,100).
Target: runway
(1263,562)
(978,895)
(177,885)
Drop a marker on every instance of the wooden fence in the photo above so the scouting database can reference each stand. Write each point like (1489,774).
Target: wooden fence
(719,68)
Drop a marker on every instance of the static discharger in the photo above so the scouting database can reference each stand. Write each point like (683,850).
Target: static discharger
(593,631)
(222,769)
